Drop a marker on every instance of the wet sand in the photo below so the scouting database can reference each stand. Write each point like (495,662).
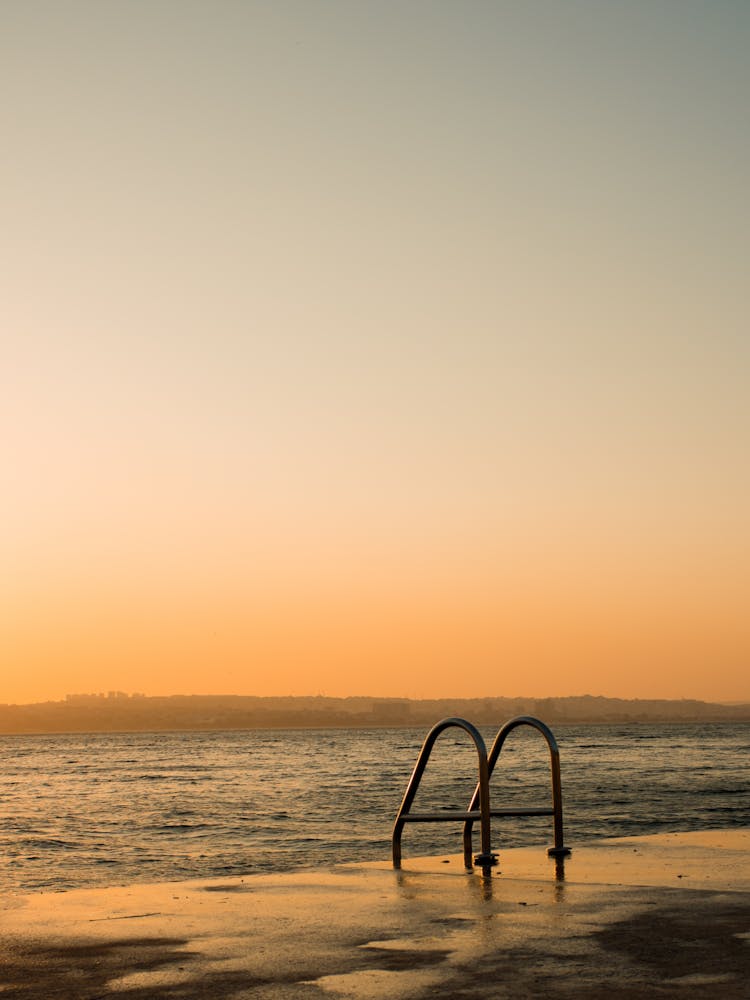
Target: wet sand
(660,916)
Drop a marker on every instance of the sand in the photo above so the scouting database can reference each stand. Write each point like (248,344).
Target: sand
(661,916)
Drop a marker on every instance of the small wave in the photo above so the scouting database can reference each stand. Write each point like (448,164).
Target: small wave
(48,843)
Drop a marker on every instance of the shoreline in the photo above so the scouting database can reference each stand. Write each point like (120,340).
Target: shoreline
(665,914)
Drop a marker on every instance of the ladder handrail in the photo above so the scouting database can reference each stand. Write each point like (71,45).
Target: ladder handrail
(559,849)
(481,793)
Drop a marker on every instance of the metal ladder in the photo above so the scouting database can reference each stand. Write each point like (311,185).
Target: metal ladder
(479,806)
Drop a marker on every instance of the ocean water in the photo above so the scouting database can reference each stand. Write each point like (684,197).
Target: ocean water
(113,809)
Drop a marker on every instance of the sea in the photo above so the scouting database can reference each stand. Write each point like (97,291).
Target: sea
(90,810)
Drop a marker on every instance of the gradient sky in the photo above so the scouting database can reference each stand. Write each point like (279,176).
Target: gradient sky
(375,348)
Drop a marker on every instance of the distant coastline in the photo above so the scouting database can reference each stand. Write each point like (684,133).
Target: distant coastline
(119,712)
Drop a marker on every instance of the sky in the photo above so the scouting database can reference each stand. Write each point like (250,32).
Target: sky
(396,349)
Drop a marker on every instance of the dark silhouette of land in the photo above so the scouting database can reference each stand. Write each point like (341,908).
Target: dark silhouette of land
(119,712)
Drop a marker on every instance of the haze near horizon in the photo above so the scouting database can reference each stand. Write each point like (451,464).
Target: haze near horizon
(394,350)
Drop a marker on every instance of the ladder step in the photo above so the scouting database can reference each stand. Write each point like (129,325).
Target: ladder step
(445,814)
(448,815)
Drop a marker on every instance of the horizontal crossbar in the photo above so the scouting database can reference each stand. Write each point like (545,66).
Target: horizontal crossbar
(449,815)
(446,815)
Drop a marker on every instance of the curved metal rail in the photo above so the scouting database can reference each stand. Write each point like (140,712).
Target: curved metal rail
(480,799)
(559,850)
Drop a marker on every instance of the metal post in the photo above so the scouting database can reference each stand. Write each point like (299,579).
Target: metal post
(483,795)
(559,850)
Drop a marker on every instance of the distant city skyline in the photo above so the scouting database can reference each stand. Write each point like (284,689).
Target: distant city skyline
(379,349)
(116,712)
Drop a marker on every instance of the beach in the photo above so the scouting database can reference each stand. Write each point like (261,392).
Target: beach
(666,915)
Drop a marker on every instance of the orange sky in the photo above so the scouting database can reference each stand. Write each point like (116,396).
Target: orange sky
(364,350)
